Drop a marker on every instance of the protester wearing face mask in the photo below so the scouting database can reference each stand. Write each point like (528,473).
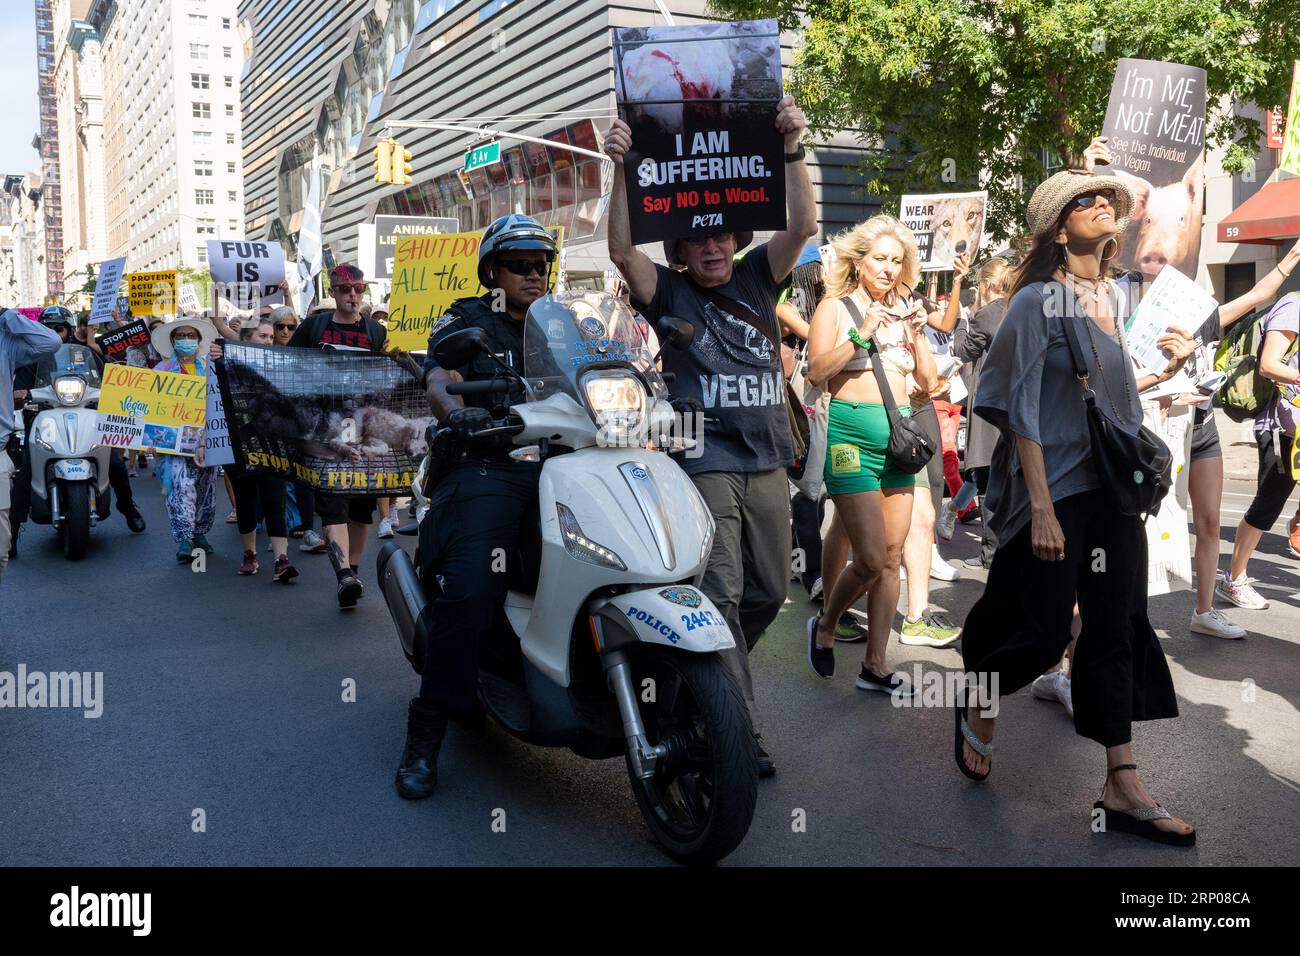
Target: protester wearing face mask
(187,483)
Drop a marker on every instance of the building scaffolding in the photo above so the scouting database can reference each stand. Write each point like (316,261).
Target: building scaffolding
(48,140)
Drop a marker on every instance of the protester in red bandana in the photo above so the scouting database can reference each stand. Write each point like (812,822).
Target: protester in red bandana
(346,520)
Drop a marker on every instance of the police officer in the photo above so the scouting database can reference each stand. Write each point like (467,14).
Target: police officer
(483,502)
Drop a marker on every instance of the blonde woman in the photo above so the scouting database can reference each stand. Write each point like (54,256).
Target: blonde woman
(869,301)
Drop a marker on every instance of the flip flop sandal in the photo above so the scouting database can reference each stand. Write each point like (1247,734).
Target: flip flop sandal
(1140,821)
(964,733)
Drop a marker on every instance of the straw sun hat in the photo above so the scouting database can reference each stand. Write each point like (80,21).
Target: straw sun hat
(1052,196)
(161,337)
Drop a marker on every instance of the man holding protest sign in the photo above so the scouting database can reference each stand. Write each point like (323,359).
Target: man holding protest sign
(733,369)
(346,520)
(485,502)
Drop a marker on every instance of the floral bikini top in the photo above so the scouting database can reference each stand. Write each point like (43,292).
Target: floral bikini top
(896,352)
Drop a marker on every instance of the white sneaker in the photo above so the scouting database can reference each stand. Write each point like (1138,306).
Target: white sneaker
(385,528)
(313,543)
(816,590)
(940,569)
(947,522)
(1213,623)
(1063,693)
(1239,592)
(1054,685)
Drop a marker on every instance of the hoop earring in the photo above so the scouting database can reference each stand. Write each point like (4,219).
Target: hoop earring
(1113,254)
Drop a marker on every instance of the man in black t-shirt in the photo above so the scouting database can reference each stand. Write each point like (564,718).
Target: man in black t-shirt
(344,519)
(733,369)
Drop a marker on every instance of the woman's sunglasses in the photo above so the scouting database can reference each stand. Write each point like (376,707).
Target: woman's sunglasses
(1088,200)
(281,327)
(358,287)
(525,267)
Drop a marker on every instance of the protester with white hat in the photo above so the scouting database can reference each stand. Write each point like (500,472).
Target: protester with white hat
(186,346)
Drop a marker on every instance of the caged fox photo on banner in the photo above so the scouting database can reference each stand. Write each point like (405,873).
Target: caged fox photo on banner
(343,423)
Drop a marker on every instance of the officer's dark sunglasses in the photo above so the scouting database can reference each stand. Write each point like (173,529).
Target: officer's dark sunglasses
(1088,200)
(525,267)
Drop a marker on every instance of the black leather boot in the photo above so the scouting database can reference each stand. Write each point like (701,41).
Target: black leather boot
(417,774)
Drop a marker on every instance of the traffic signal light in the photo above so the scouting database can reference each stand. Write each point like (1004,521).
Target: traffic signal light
(384,161)
(401,165)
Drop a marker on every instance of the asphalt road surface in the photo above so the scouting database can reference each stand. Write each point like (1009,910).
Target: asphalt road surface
(226,695)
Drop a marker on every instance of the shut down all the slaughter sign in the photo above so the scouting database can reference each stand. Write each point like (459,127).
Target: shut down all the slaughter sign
(706,156)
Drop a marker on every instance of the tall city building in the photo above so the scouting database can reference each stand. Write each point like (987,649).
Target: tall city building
(173,168)
(324,76)
(47,142)
(23,281)
(79,100)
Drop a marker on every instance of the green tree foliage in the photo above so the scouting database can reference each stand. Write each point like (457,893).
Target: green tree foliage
(981,86)
(201,279)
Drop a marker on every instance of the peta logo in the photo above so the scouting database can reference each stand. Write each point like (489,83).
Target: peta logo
(102,909)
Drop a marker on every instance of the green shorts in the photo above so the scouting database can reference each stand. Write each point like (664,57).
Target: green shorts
(857,434)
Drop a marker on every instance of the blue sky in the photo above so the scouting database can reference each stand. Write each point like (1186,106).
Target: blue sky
(18,107)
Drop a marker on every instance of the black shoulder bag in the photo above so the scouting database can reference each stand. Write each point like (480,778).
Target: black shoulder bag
(800,427)
(909,449)
(1134,470)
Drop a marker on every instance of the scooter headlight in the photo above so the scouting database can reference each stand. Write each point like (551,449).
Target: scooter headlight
(582,547)
(70,389)
(618,403)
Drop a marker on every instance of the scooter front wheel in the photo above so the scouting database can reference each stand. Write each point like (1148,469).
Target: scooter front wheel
(75,496)
(700,801)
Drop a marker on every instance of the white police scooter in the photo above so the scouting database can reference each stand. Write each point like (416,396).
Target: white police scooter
(612,649)
(69,468)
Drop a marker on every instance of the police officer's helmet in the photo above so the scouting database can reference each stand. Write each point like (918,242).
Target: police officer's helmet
(510,233)
(57,315)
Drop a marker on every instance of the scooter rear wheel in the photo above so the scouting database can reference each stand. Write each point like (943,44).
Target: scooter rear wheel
(75,496)
(700,801)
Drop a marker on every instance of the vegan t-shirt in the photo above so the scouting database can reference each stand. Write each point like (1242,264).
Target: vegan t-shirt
(731,368)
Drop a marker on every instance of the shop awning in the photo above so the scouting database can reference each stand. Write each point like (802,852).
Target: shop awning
(1271,215)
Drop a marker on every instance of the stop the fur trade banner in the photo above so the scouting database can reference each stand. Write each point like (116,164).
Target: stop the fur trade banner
(701,102)
(342,422)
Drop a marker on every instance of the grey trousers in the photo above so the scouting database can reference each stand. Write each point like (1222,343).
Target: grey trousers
(748,571)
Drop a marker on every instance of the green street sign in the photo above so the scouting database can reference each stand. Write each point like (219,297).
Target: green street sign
(484,155)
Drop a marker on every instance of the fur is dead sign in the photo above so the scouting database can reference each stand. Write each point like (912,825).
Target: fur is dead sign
(248,274)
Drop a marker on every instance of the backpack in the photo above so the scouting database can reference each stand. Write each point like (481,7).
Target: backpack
(1246,393)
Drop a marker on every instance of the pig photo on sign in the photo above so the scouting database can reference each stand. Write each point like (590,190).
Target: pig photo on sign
(957,225)
(1165,228)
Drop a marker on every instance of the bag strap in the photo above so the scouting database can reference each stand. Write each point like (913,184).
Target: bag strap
(740,311)
(1076,350)
(873,350)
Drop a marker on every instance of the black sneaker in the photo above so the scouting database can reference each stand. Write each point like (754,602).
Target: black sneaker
(976,562)
(350,589)
(885,683)
(820,659)
(765,766)
(134,520)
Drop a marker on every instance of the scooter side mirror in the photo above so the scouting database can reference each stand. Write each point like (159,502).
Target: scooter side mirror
(459,347)
(677,332)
